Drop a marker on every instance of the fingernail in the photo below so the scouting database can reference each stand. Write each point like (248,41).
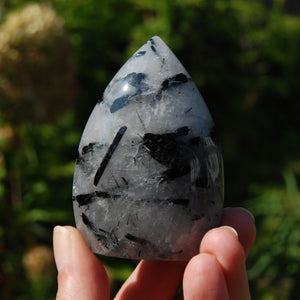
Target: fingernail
(62,246)
(249,213)
(231,228)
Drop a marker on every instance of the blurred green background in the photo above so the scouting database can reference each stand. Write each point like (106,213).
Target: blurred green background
(56,58)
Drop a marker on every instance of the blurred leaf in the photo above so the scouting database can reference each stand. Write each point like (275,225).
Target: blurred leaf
(39,215)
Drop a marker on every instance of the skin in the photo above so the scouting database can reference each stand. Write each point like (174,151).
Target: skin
(217,272)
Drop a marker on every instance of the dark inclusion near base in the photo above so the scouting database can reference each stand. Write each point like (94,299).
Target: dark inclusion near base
(148,180)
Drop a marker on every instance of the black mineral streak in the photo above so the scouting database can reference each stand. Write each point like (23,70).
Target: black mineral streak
(116,182)
(167,150)
(176,201)
(140,53)
(101,194)
(85,199)
(163,147)
(183,202)
(152,46)
(125,181)
(85,149)
(177,154)
(174,81)
(136,239)
(188,110)
(153,49)
(88,148)
(107,238)
(87,222)
(109,154)
(102,235)
(152,41)
(103,239)
(141,120)
(171,82)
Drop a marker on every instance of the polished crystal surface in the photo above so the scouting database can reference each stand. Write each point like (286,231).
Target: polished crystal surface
(148,180)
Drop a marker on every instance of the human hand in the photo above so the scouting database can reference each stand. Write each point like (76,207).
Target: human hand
(217,272)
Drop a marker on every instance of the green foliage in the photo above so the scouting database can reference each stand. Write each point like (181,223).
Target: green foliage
(36,196)
(276,255)
(244,57)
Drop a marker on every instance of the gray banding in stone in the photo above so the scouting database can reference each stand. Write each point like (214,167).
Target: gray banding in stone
(148,181)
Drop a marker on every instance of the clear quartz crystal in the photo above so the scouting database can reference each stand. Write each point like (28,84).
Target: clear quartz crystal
(148,181)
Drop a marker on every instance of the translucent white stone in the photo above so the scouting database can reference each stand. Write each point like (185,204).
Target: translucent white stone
(148,181)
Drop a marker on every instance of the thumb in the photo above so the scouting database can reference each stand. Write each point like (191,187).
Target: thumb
(80,274)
